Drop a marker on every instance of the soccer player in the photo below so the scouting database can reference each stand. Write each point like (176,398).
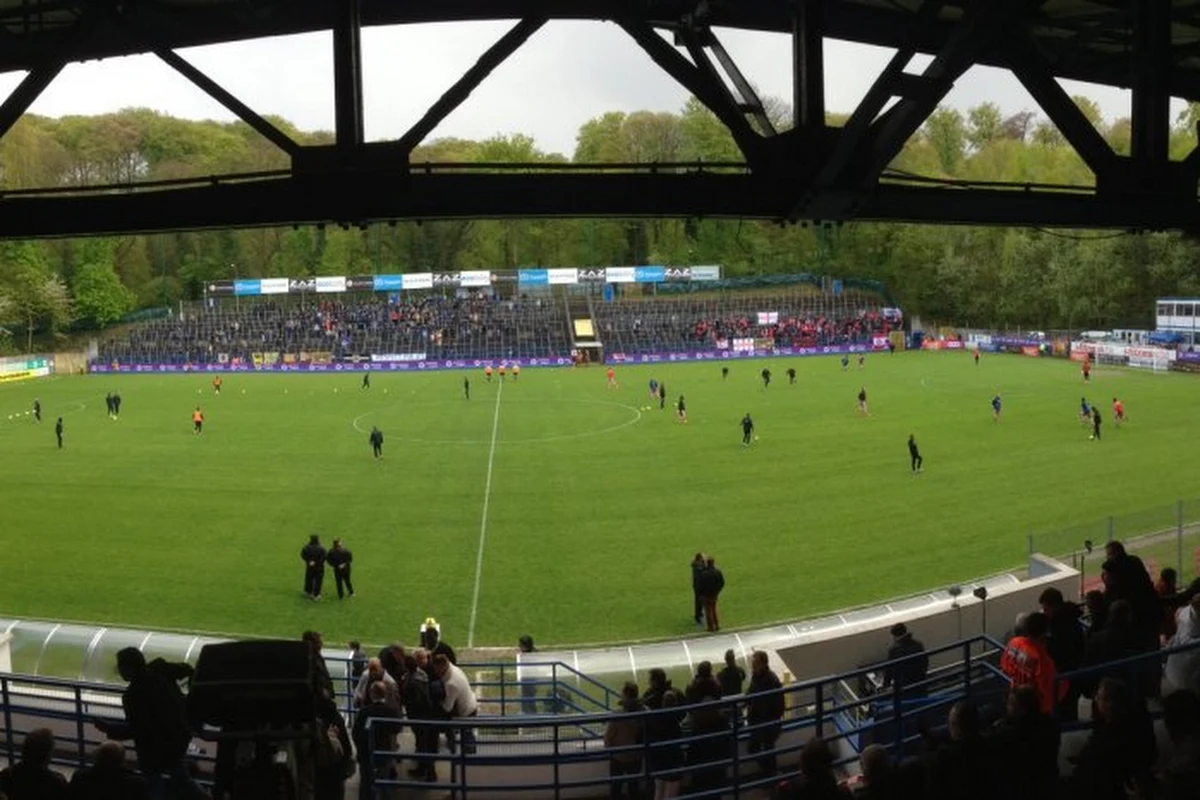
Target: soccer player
(58,431)
(197,421)
(340,558)
(216,383)
(662,397)
(37,409)
(500,370)
(1118,411)
(915,454)
(977,356)
(766,376)
(116,405)
(467,388)
(996,407)
(366,384)
(862,400)
(612,378)
(108,404)
(791,373)
(1085,410)
(653,390)
(724,373)
(681,410)
(1096,420)
(376,440)
(862,361)
(1087,369)
(487,373)
(845,362)
(747,430)
(516,372)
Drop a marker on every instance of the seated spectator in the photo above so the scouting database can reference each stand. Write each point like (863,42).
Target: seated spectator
(374,674)
(1028,741)
(107,778)
(1183,669)
(1180,778)
(817,780)
(625,768)
(963,766)
(879,779)
(1118,754)
(1097,611)
(913,669)
(31,778)
(1027,662)
(731,677)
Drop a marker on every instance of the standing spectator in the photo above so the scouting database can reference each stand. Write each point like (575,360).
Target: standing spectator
(358,660)
(156,721)
(334,753)
(324,683)
(419,703)
(1117,640)
(731,676)
(707,722)
(1120,750)
(764,711)
(529,687)
(376,674)
(373,734)
(712,581)
(1065,642)
(1097,611)
(625,735)
(31,778)
(1030,739)
(1027,662)
(460,701)
(1166,587)
(107,778)
(1181,770)
(697,601)
(910,672)
(1183,669)
(665,759)
(313,555)
(431,640)
(656,689)
(340,558)
(393,661)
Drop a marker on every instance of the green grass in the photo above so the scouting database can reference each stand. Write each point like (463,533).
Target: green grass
(596,505)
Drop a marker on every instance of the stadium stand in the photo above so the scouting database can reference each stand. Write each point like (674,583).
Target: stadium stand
(436,326)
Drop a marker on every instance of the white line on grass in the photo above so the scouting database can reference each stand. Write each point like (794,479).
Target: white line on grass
(487,497)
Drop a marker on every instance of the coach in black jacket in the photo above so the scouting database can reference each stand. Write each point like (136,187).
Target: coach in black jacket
(314,566)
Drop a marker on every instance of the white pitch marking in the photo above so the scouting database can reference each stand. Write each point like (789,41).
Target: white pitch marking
(487,497)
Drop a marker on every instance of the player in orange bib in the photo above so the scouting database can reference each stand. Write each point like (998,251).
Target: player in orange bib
(516,371)
(487,373)
(217,385)
(1118,411)
(612,378)
(197,421)
(501,371)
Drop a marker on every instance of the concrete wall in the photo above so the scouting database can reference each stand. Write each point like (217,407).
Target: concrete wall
(6,652)
(830,652)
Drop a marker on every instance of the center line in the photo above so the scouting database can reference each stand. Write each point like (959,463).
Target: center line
(487,497)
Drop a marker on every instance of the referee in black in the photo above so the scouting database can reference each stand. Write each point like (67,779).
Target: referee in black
(377,441)
(747,430)
(915,453)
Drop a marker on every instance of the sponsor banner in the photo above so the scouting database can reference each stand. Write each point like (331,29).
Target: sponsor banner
(474,278)
(938,344)
(679,274)
(650,274)
(302,285)
(419,280)
(743,346)
(954,344)
(768,317)
(1031,350)
(879,342)
(534,277)
(1190,357)
(722,355)
(331,284)
(559,277)
(361,283)
(443,279)
(220,288)
(387,283)
(247,288)
(393,366)
(1080,355)
(591,275)
(388,358)
(273,286)
(1124,351)
(619,274)
(706,273)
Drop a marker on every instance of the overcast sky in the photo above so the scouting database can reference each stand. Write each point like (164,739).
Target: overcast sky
(566,74)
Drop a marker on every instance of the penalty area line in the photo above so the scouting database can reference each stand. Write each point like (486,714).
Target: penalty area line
(487,498)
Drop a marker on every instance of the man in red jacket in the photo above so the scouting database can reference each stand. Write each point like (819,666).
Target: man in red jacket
(1027,662)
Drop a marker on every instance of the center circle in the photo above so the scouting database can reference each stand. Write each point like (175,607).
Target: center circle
(520,421)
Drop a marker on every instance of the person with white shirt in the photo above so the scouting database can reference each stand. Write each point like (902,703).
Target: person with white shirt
(1183,669)
(460,701)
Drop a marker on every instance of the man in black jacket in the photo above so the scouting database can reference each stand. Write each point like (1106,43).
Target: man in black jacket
(764,710)
(419,705)
(340,558)
(156,721)
(697,603)
(1065,643)
(712,581)
(911,671)
(313,555)
(378,737)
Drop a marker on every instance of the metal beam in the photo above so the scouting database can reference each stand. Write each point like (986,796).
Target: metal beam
(222,96)
(347,74)
(26,92)
(749,97)
(808,58)
(1033,71)
(457,94)
(707,87)
(1151,138)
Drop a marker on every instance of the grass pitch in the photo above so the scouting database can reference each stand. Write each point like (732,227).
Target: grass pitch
(588,502)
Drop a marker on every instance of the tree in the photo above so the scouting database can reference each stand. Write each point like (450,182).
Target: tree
(100,297)
(948,134)
(985,125)
(1018,126)
(1091,110)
